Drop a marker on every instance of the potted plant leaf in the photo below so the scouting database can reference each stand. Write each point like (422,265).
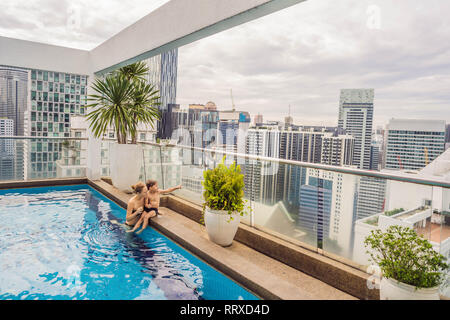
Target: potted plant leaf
(411,268)
(122,101)
(224,202)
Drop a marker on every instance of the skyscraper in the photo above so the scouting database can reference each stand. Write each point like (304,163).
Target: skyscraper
(315,207)
(258,119)
(233,126)
(337,150)
(327,209)
(288,120)
(261,177)
(413,144)
(12,155)
(356,117)
(195,127)
(13,107)
(282,182)
(6,129)
(371,196)
(169,121)
(447,136)
(163,75)
(55,98)
(303,146)
(374,156)
(14,97)
(315,145)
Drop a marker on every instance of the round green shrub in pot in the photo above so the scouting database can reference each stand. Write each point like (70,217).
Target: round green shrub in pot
(411,268)
(224,202)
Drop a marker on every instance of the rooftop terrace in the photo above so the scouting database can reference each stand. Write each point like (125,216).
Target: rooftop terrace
(303,238)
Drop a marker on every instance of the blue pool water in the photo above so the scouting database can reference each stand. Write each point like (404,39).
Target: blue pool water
(59,243)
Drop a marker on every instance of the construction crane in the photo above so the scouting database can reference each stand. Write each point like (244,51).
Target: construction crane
(399,163)
(232,101)
(426,155)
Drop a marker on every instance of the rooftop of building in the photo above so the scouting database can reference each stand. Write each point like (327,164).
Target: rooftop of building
(416,125)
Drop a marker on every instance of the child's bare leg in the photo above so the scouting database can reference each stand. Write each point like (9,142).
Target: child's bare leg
(146,218)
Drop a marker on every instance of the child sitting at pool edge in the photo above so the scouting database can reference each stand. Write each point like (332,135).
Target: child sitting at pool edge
(152,202)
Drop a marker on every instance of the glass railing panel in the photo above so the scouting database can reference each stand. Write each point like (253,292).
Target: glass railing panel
(171,167)
(73,159)
(274,189)
(152,165)
(190,165)
(322,209)
(381,203)
(42,158)
(249,205)
(440,230)
(13,159)
(104,158)
(329,199)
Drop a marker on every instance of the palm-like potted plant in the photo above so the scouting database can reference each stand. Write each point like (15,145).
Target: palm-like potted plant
(224,202)
(122,101)
(411,268)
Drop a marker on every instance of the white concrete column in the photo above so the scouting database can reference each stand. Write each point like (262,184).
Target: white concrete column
(93,171)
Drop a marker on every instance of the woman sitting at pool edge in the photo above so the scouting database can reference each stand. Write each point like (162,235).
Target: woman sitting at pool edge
(151,205)
(136,205)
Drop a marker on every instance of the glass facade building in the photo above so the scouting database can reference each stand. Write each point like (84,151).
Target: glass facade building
(413,144)
(55,97)
(163,75)
(13,107)
(315,207)
(356,117)
(14,97)
(11,153)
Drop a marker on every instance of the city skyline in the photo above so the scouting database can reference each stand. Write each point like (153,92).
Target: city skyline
(333,56)
(308,57)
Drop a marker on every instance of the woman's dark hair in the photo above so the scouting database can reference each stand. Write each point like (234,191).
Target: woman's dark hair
(137,188)
(150,183)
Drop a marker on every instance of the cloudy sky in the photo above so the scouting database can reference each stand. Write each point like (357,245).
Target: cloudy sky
(301,56)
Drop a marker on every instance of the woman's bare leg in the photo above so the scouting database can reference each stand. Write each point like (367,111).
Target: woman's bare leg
(136,226)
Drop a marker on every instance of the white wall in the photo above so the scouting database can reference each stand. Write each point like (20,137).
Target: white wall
(406,195)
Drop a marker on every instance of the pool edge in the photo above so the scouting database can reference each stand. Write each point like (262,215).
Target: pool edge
(19,184)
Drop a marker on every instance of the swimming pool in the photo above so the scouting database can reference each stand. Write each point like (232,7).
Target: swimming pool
(59,243)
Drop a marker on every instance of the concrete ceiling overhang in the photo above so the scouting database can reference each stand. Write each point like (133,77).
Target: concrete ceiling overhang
(176,23)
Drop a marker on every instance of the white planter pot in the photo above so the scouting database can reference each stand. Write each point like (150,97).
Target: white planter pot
(220,228)
(125,165)
(393,290)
